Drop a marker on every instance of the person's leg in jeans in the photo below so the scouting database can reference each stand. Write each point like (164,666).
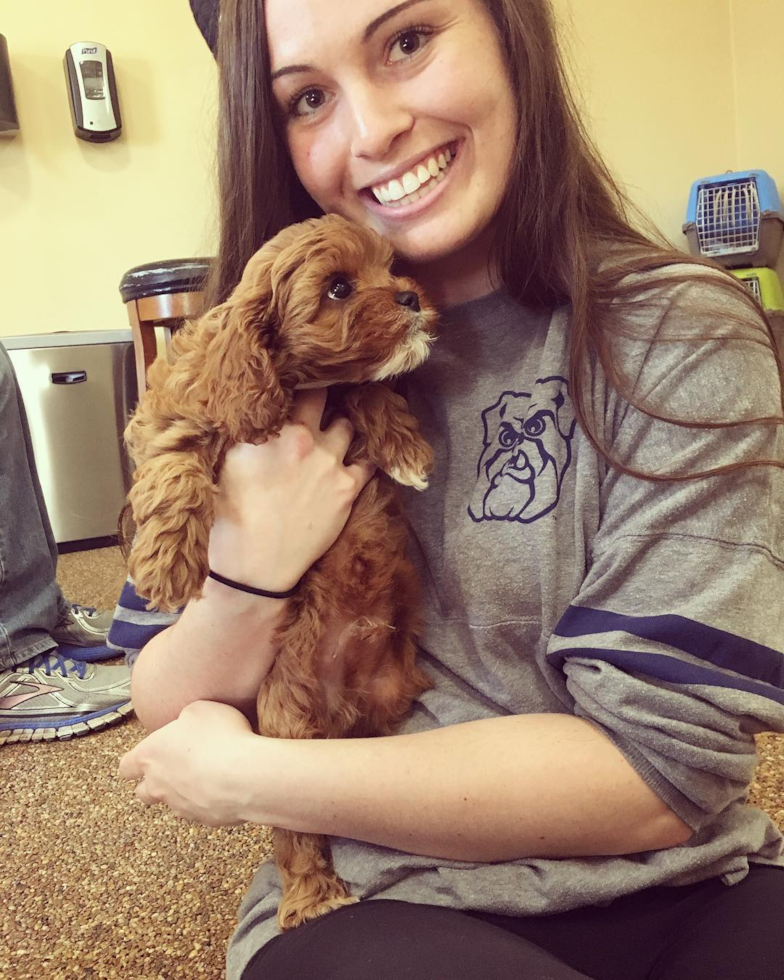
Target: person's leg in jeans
(389,940)
(31,604)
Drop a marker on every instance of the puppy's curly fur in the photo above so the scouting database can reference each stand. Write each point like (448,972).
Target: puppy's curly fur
(318,305)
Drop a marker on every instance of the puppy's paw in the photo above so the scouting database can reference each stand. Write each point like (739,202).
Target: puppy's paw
(409,477)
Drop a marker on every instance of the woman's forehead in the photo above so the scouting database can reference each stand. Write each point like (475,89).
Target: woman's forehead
(297,30)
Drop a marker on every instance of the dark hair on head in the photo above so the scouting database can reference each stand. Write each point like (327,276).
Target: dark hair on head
(566,233)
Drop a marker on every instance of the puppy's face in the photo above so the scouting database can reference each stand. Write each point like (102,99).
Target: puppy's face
(332,309)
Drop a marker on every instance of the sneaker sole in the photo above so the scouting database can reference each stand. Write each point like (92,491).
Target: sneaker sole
(68,729)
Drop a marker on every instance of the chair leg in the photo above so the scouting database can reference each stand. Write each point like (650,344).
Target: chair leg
(144,345)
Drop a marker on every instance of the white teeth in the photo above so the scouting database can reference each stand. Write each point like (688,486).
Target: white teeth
(395,189)
(410,183)
(414,183)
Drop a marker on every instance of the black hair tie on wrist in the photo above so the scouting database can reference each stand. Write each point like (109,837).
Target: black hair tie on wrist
(249,588)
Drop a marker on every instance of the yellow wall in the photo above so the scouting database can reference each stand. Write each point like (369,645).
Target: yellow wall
(759,87)
(658,124)
(675,90)
(74,216)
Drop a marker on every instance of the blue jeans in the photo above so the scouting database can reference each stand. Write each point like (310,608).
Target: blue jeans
(31,603)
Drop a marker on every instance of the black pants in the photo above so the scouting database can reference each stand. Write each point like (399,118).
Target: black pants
(699,932)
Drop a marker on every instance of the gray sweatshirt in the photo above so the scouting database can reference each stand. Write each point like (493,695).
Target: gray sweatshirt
(554,583)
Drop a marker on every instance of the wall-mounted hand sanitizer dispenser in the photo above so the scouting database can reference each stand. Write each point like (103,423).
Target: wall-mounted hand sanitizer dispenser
(95,108)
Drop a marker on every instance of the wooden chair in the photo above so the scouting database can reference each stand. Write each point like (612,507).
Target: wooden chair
(160,294)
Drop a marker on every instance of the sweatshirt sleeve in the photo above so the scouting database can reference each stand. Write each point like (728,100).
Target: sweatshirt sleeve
(133,625)
(674,645)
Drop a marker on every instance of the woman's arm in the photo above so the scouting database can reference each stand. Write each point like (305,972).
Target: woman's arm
(543,785)
(220,649)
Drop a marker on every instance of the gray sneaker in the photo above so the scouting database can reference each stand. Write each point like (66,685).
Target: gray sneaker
(52,696)
(84,626)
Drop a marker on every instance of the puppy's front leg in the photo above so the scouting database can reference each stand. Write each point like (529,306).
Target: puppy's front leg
(389,434)
(172,500)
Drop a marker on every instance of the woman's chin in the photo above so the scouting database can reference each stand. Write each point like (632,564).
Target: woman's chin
(422,248)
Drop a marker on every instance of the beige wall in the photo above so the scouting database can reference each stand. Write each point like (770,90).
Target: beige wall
(658,123)
(679,89)
(759,88)
(675,90)
(74,216)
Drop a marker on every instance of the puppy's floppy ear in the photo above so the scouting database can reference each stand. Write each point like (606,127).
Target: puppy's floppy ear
(241,387)
(239,383)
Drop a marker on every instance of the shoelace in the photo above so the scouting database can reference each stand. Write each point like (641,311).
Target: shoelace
(56,661)
(89,610)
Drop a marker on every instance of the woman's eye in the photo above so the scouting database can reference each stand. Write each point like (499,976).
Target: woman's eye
(407,43)
(340,288)
(306,103)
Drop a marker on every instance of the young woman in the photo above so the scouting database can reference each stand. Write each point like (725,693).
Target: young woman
(601,543)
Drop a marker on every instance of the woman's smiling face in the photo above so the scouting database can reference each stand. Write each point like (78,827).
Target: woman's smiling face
(399,116)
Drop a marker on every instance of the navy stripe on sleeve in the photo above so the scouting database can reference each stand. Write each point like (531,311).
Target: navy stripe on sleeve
(130,600)
(133,636)
(715,646)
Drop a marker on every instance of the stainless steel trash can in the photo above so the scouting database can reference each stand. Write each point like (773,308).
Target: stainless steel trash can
(79,390)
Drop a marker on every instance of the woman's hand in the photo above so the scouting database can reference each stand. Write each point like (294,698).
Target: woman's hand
(196,765)
(281,505)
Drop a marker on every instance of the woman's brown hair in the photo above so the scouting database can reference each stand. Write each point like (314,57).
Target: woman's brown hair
(564,232)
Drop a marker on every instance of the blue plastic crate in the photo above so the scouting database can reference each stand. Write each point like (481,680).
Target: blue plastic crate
(736,219)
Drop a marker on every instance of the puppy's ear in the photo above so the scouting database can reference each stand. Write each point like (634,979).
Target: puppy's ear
(240,381)
(241,387)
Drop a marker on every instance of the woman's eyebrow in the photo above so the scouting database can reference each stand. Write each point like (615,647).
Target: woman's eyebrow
(374,25)
(369,31)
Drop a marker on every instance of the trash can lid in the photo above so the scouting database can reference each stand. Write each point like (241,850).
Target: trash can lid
(171,276)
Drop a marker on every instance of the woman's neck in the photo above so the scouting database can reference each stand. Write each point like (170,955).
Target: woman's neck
(457,278)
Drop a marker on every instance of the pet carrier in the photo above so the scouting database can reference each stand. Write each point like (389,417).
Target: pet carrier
(736,219)
(765,285)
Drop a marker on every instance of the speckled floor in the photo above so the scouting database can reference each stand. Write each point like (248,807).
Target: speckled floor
(94,884)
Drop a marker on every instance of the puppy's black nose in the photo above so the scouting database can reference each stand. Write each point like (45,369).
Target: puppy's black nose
(409,299)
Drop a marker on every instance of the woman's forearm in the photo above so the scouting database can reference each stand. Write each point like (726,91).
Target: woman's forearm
(545,785)
(220,649)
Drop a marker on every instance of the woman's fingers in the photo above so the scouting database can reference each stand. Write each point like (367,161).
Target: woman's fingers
(338,435)
(308,408)
(362,473)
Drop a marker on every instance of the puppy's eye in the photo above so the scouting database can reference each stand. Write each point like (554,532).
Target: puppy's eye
(340,288)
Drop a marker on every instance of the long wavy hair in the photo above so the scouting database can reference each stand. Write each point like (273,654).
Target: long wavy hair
(566,232)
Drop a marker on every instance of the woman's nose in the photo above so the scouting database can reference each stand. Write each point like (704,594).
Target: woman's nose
(377,122)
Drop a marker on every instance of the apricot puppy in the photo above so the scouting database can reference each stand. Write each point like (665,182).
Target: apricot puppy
(317,305)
